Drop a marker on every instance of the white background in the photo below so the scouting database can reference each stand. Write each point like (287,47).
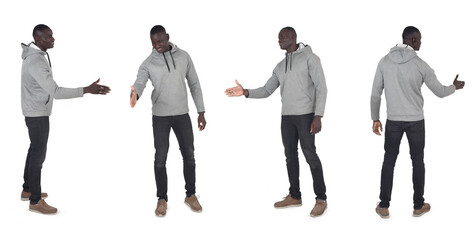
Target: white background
(99,167)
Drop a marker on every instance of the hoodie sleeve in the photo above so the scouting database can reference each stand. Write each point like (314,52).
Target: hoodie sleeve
(434,85)
(377,89)
(194,85)
(317,76)
(42,74)
(262,92)
(142,78)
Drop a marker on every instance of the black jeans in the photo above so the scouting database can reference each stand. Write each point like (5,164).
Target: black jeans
(294,127)
(416,139)
(38,130)
(182,128)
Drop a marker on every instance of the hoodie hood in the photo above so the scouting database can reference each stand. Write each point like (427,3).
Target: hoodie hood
(289,56)
(401,53)
(28,51)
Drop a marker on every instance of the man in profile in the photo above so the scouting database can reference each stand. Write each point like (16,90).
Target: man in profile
(38,89)
(402,73)
(166,68)
(303,94)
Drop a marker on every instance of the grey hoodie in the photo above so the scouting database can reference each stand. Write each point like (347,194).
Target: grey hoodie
(303,86)
(402,73)
(37,85)
(166,72)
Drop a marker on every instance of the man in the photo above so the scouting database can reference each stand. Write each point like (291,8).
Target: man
(166,67)
(303,91)
(402,73)
(38,89)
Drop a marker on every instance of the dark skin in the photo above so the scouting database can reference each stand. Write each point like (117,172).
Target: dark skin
(44,40)
(160,42)
(287,42)
(414,41)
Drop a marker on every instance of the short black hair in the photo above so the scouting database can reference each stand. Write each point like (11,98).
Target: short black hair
(408,31)
(157,29)
(292,30)
(39,28)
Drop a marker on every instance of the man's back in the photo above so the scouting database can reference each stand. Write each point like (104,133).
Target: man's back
(402,73)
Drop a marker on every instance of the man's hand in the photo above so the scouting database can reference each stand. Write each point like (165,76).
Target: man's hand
(236,91)
(133,97)
(201,121)
(376,127)
(95,88)
(316,125)
(458,84)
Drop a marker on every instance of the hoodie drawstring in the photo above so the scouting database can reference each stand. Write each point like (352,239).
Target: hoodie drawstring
(166,61)
(172,59)
(286,61)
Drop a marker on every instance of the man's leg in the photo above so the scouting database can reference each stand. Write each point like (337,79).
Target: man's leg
(303,123)
(182,128)
(289,136)
(161,133)
(416,139)
(393,136)
(38,130)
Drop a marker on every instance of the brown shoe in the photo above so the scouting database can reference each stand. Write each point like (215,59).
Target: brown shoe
(288,201)
(43,207)
(161,206)
(193,203)
(382,212)
(25,196)
(319,208)
(419,212)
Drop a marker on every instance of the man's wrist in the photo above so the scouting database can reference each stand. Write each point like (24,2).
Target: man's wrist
(246,93)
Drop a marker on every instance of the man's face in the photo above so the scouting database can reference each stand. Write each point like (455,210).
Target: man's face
(44,39)
(285,39)
(417,41)
(160,42)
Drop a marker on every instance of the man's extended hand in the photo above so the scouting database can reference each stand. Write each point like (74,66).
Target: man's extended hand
(377,127)
(458,84)
(96,88)
(133,97)
(201,121)
(236,91)
(316,125)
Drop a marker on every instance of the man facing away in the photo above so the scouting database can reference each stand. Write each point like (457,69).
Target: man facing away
(402,73)
(166,67)
(303,94)
(38,89)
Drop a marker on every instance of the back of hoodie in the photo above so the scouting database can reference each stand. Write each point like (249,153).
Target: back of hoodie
(37,85)
(402,73)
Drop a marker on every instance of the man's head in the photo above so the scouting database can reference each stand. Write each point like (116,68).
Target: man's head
(412,37)
(159,39)
(287,39)
(43,36)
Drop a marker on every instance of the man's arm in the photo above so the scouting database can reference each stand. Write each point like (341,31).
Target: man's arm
(194,86)
(140,84)
(317,76)
(196,93)
(41,72)
(375,100)
(262,92)
(435,86)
